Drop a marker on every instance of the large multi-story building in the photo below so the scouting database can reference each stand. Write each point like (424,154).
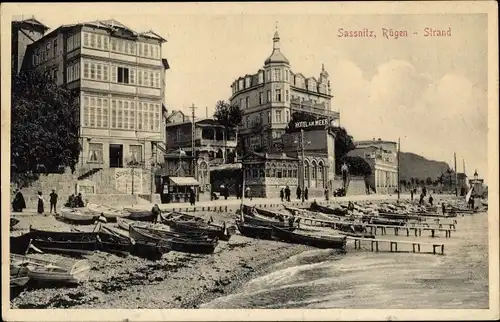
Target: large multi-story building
(121,78)
(269,97)
(24,32)
(213,150)
(382,158)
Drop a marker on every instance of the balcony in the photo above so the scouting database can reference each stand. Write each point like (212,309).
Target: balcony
(296,106)
(216,143)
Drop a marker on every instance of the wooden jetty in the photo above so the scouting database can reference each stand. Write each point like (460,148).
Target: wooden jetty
(417,247)
(375,228)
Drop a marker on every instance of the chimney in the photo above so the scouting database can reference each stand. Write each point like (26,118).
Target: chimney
(379,139)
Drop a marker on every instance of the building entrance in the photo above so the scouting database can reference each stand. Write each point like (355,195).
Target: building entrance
(115,156)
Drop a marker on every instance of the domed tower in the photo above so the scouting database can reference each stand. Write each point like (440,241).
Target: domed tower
(277,69)
(323,79)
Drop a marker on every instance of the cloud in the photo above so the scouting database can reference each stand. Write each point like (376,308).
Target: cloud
(433,117)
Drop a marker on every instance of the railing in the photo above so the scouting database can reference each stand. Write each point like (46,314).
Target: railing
(297,107)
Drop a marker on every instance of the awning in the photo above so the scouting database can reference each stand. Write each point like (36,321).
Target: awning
(184,181)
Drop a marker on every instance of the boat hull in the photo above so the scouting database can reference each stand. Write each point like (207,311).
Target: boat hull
(258,232)
(318,242)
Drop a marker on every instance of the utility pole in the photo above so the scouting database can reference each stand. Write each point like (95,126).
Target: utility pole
(456,175)
(193,132)
(302,163)
(399,183)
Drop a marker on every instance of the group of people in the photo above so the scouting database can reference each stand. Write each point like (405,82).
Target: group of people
(75,201)
(18,203)
(285,193)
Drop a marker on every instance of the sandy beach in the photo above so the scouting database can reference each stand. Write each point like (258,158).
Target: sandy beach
(178,280)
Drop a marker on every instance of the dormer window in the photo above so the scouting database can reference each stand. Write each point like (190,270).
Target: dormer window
(261,78)
(247,82)
(240,87)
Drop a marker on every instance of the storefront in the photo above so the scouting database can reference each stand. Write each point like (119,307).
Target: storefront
(177,189)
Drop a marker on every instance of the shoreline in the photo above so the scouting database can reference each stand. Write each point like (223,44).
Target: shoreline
(178,280)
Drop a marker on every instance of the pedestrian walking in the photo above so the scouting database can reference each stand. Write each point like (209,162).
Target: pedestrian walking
(327,197)
(421,198)
(306,193)
(282,194)
(431,200)
(53,201)
(40,203)
(411,194)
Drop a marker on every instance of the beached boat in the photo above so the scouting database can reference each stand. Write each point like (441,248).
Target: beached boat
(190,226)
(76,216)
(140,215)
(18,282)
(252,231)
(174,216)
(51,272)
(183,243)
(13,222)
(263,222)
(109,213)
(332,210)
(305,239)
(386,221)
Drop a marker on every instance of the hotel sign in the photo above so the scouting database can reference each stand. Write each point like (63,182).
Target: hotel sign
(317,123)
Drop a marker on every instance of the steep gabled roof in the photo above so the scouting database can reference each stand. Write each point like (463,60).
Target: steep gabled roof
(32,21)
(154,35)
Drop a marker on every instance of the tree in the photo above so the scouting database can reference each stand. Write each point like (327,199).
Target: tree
(230,116)
(343,144)
(44,127)
(357,166)
(428,181)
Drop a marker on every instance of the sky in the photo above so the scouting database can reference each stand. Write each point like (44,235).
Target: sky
(431,92)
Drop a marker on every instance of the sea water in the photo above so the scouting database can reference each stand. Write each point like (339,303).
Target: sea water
(362,279)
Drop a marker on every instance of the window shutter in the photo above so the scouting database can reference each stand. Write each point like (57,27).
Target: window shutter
(113,73)
(105,73)
(132,76)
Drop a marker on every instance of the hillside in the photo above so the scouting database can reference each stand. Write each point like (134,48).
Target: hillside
(416,166)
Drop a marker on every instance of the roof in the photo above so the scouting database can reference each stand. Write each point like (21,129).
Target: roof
(32,21)
(276,57)
(184,181)
(113,25)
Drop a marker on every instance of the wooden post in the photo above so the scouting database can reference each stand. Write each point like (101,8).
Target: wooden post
(442,249)
(413,247)
(407,232)
(396,231)
(432,232)
(376,245)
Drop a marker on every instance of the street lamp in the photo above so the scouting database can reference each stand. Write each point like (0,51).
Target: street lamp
(302,163)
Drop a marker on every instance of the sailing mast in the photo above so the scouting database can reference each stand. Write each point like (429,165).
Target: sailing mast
(456,175)
(399,183)
(242,193)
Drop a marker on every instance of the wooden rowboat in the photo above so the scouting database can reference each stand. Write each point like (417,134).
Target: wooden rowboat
(337,211)
(109,213)
(315,241)
(76,216)
(13,222)
(174,216)
(51,272)
(18,282)
(140,215)
(255,221)
(188,225)
(252,231)
(184,243)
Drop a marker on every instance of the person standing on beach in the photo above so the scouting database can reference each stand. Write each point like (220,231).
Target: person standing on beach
(18,204)
(192,197)
(40,203)
(53,201)
(421,198)
(282,194)
(443,208)
(306,193)
(431,200)
(299,192)
(411,194)
(287,193)
(156,212)
(327,197)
